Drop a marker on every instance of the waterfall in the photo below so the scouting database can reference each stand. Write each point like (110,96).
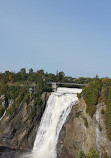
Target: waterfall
(97,131)
(57,109)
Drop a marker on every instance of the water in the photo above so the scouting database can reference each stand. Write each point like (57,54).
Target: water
(58,107)
(97,129)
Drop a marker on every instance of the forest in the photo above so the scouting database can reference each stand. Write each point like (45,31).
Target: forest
(25,86)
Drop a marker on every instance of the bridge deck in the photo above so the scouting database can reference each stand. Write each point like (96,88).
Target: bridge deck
(65,83)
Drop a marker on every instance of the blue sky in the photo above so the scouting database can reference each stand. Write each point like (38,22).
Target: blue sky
(73,36)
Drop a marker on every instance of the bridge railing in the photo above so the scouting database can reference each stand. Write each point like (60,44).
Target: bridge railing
(65,83)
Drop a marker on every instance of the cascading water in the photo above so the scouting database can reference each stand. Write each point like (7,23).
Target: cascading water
(58,107)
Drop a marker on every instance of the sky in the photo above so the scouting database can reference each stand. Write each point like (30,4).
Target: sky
(73,36)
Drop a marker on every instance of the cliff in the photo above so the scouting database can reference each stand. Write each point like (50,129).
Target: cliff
(82,133)
(18,130)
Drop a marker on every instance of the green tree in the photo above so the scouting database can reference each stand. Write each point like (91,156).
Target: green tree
(30,71)
(61,75)
(23,71)
(22,74)
(91,94)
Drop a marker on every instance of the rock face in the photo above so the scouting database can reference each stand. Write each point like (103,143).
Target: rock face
(6,152)
(81,132)
(18,131)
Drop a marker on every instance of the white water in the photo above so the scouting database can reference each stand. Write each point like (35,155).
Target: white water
(97,128)
(58,107)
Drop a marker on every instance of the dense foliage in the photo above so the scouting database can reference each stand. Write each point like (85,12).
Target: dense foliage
(31,76)
(91,93)
(107,99)
(16,86)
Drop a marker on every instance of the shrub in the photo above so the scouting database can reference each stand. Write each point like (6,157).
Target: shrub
(102,111)
(77,114)
(81,155)
(91,110)
(27,98)
(79,95)
(85,122)
(93,154)
(37,104)
(33,112)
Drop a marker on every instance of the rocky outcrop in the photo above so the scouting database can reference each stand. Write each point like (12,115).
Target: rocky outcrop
(81,132)
(17,130)
(6,152)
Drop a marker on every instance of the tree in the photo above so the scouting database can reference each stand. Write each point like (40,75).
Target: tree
(7,72)
(23,71)
(61,75)
(57,73)
(41,72)
(30,71)
(91,94)
(97,76)
(22,74)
